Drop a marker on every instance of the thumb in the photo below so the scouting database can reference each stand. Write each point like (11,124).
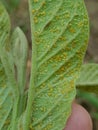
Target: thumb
(79,119)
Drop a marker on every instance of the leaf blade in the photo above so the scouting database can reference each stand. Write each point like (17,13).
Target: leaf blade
(5,89)
(5,109)
(4,25)
(53,64)
(20,52)
(88,80)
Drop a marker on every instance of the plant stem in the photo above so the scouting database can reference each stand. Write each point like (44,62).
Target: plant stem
(14,115)
(31,91)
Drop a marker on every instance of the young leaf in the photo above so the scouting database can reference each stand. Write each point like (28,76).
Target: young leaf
(88,79)
(59,40)
(20,52)
(9,89)
(11,84)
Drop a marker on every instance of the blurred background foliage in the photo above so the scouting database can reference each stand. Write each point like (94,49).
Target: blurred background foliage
(18,10)
(11,4)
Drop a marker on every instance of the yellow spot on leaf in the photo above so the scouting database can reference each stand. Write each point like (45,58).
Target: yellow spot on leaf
(35,1)
(31,128)
(7,122)
(72,30)
(35,20)
(43,13)
(33,11)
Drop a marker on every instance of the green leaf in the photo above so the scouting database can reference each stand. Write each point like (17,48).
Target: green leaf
(17,57)
(90,98)
(11,55)
(5,61)
(20,52)
(88,79)
(6,99)
(4,26)
(59,40)
(11,5)
(6,104)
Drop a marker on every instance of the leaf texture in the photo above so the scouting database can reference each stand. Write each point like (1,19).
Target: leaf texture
(13,57)
(88,79)
(4,25)
(59,40)
(6,100)
(20,51)
(6,104)
(16,78)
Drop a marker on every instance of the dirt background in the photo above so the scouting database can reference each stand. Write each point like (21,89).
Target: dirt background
(20,17)
(92,52)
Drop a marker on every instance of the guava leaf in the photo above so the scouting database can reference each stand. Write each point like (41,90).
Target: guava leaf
(88,79)
(59,40)
(6,100)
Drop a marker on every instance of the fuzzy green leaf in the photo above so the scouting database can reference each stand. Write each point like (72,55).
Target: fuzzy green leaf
(59,40)
(6,99)
(11,55)
(16,56)
(20,52)
(4,26)
(88,79)
(6,104)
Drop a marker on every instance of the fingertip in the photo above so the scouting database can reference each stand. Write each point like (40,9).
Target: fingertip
(79,119)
